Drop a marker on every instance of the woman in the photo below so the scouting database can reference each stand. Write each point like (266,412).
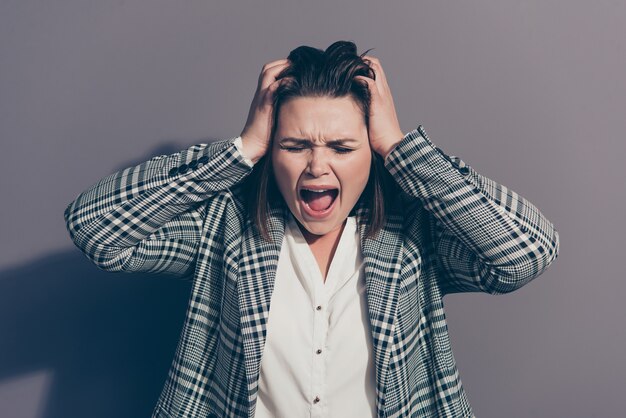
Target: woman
(350,230)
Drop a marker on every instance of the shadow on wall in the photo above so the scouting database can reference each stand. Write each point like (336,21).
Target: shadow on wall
(108,338)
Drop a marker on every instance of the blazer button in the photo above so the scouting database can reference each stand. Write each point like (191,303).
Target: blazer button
(173,171)
(464,170)
(183,168)
(203,160)
(193,164)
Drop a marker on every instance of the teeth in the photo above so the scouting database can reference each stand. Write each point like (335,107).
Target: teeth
(317,191)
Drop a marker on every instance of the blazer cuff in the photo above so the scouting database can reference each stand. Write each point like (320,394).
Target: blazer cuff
(239,145)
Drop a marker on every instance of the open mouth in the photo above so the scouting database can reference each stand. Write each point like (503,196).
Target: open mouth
(319,200)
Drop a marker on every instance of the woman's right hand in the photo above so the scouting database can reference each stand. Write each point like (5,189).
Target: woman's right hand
(255,136)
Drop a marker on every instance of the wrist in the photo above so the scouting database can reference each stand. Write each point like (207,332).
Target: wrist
(390,146)
(251,149)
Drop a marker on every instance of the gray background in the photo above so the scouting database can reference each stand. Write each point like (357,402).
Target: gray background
(531,94)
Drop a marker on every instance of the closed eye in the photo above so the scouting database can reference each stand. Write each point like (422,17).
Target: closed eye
(338,150)
(291,149)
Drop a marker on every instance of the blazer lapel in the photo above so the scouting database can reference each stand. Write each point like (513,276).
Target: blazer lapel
(257,270)
(382,258)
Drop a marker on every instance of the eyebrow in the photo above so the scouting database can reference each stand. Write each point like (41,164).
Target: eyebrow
(303,141)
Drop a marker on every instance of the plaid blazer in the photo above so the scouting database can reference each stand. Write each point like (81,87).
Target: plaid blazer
(182,214)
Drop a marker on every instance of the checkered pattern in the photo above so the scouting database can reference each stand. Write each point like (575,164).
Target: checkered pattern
(182,214)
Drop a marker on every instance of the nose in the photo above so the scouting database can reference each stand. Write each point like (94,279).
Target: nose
(318,162)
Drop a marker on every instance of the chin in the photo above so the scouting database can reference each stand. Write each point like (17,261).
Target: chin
(322,228)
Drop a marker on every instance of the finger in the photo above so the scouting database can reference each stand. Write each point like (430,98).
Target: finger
(268,93)
(270,72)
(278,61)
(275,84)
(273,64)
(268,66)
(381,78)
(371,84)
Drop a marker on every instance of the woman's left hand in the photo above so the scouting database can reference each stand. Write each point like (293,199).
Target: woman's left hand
(384,128)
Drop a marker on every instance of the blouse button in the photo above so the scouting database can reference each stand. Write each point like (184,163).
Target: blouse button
(316,400)
(319,351)
(319,307)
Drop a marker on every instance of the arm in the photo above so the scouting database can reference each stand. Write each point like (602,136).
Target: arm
(487,238)
(149,218)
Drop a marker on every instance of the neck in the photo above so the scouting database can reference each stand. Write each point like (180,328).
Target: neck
(331,237)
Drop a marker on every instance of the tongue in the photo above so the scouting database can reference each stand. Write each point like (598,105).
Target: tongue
(319,201)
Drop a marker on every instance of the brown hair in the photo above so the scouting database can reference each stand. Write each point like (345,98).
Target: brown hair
(316,73)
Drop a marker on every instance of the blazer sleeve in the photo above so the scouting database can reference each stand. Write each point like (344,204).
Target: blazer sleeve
(149,218)
(486,237)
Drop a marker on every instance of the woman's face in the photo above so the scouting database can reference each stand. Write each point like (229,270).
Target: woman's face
(306,154)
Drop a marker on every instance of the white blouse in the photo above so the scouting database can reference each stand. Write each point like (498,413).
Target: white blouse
(318,358)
